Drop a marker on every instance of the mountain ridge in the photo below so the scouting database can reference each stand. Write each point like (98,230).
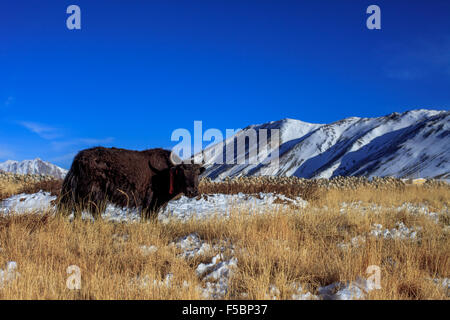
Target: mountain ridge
(36,166)
(411,144)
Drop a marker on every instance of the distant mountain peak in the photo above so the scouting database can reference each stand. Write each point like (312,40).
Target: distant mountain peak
(36,166)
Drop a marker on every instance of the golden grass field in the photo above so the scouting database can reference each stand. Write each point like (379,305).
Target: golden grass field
(285,246)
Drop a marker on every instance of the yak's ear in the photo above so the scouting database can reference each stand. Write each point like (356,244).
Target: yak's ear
(202,169)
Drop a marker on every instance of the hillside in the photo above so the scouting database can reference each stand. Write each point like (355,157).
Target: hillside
(36,166)
(407,145)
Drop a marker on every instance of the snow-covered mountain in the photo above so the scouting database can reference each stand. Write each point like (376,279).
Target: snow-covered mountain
(408,145)
(36,166)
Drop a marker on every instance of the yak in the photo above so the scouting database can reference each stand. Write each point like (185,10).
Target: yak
(136,179)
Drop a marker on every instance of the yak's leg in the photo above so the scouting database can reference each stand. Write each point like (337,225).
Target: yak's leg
(78,206)
(156,206)
(153,208)
(97,201)
(69,203)
(97,208)
(65,204)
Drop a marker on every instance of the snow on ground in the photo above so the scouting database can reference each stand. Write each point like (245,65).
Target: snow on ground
(9,274)
(207,206)
(221,205)
(182,209)
(27,203)
(143,282)
(399,232)
(42,201)
(355,242)
(216,273)
(147,250)
(335,291)
(191,246)
(273,293)
(114,214)
(416,209)
(444,283)
(301,293)
(346,290)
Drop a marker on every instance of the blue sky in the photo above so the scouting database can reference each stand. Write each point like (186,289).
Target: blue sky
(137,70)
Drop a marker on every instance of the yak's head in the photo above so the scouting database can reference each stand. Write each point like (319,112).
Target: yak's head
(184,179)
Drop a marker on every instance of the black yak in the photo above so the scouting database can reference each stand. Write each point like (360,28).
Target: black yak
(137,179)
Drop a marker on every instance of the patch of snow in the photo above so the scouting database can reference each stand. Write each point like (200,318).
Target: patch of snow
(215,290)
(181,209)
(359,205)
(346,291)
(9,274)
(147,250)
(116,214)
(218,272)
(416,209)
(167,282)
(301,294)
(120,237)
(191,246)
(42,201)
(145,281)
(27,203)
(400,232)
(354,290)
(355,242)
(221,205)
(217,268)
(273,293)
(421,209)
(304,296)
(444,283)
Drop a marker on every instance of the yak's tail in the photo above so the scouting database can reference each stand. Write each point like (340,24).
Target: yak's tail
(76,196)
(67,197)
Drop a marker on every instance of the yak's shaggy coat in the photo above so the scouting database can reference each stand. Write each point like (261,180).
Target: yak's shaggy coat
(126,178)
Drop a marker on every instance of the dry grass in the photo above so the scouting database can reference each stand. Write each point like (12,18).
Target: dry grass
(435,198)
(9,188)
(307,190)
(278,248)
(52,186)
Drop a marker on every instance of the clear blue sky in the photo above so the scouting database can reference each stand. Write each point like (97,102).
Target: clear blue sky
(138,69)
